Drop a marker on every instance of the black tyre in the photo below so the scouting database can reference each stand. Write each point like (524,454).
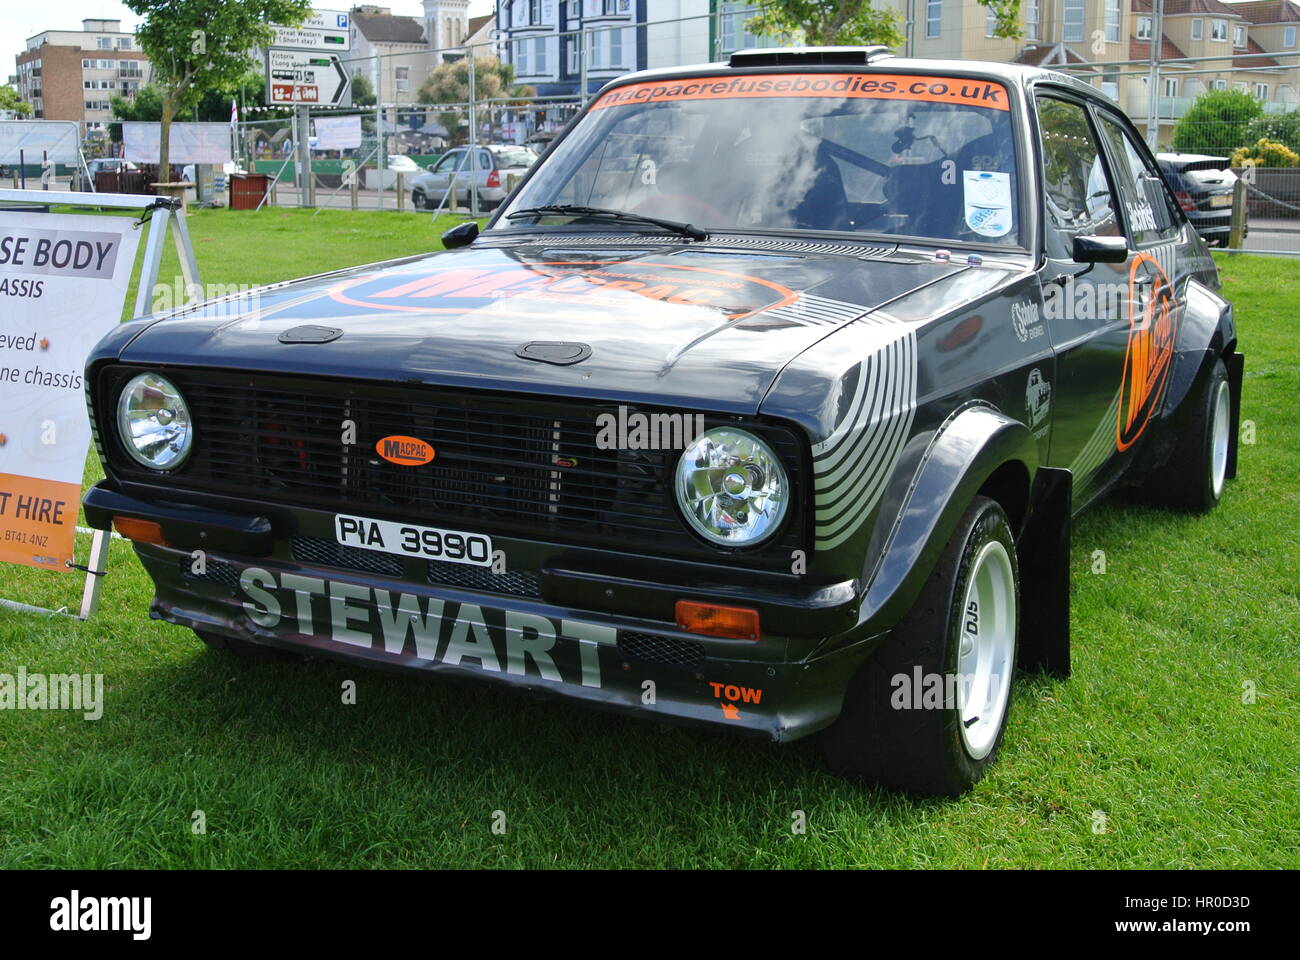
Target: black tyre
(418,200)
(939,736)
(1194,476)
(246,650)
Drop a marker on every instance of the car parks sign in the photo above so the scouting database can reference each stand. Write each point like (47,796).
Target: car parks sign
(322,30)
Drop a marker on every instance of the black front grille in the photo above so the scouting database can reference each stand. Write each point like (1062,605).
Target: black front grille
(518,583)
(665,651)
(331,554)
(213,571)
(522,466)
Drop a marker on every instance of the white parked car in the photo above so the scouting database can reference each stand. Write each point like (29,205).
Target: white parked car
(495,164)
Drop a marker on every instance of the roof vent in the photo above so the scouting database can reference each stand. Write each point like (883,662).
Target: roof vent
(802,56)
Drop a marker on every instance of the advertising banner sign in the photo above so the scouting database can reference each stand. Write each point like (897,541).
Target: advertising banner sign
(58,141)
(63,280)
(190,142)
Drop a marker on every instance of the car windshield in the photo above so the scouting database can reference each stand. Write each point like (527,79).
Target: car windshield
(930,157)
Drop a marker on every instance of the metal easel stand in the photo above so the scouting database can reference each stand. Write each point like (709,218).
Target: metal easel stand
(164,216)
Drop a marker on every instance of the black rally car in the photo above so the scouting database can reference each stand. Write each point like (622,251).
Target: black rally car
(765,402)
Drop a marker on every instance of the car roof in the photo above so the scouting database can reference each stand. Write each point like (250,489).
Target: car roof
(870,60)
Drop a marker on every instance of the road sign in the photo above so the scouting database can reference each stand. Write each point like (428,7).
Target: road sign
(322,30)
(300,78)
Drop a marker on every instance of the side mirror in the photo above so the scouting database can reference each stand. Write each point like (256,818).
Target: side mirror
(1099,250)
(461,235)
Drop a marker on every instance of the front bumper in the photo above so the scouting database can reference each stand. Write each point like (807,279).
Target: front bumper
(617,650)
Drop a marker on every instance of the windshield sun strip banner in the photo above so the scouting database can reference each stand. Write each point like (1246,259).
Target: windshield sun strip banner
(874,86)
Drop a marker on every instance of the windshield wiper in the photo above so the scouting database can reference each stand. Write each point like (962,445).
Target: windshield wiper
(577,210)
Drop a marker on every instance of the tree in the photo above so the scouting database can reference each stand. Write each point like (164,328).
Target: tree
(197,46)
(9,101)
(449,84)
(1217,123)
(852,22)
(363,94)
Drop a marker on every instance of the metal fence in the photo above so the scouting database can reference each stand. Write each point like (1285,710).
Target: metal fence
(1157,94)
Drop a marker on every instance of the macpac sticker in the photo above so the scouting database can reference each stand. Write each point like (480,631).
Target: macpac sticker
(987,197)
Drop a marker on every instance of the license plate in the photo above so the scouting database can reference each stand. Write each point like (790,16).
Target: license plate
(411,540)
(1222,200)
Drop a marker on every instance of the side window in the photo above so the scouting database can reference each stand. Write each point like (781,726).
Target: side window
(1077,197)
(485,159)
(1150,217)
(448,163)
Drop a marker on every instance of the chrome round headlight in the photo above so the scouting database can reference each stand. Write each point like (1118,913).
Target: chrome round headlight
(154,423)
(731,487)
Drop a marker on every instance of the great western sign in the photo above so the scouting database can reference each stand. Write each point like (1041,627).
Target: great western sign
(322,30)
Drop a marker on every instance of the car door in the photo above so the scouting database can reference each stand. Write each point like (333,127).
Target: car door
(1083,305)
(1157,282)
(440,173)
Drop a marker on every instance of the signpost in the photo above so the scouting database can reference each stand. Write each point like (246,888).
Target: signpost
(323,30)
(296,78)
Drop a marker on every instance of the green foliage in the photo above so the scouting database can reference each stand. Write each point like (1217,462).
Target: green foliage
(1282,128)
(363,94)
(1217,123)
(9,101)
(449,84)
(852,22)
(1265,153)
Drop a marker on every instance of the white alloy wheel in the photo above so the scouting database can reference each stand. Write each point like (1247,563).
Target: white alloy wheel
(1219,438)
(986,648)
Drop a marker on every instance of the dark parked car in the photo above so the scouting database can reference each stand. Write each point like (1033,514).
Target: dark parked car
(1203,187)
(765,403)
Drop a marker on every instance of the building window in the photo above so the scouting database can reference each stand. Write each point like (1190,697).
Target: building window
(402,76)
(1241,85)
(1198,29)
(104,43)
(1112,21)
(1031,19)
(574,66)
(1219,30)
(539,55)
(1288,37)
(734,35)
(1144,28)
(124,43)
(534,12)
(990,24)
(1072,32)
(933,17)
(616,48)
(1110,83)
(1220,84)
(522,65)
(610,7)
(1239,36)
(1171,87)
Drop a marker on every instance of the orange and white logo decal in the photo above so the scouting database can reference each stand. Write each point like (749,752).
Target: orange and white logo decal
(863,86)
(1150,353)
(404,451)
(456,290)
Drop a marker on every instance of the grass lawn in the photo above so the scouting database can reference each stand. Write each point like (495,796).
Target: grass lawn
(1149,742)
